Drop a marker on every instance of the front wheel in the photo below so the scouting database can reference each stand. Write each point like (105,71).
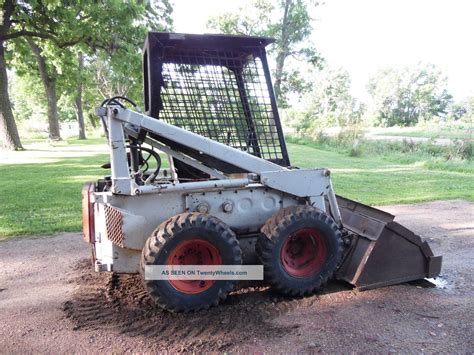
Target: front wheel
(190,239)
(300,248)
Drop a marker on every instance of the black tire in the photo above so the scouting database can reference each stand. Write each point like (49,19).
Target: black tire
(322,254)
(167,238)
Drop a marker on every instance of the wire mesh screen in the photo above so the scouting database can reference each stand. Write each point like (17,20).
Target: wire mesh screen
(223,96)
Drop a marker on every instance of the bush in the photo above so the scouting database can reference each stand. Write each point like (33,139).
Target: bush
(356,149)
(408,146)
(322,137)
(464,149)
(349,135)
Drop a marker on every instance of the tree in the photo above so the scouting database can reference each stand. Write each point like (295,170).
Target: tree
(469,116)
(71,26)
(57,33)
(405,96)
(463,111)
(20,21)
(48,78)
(289,22)
(118,51)
(28,21)
(78,97)
(330,103)
(457,111)
(9,137)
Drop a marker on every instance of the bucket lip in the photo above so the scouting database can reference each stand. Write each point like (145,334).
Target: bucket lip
(365,210)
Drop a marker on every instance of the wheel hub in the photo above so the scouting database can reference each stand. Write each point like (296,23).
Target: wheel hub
(194,252)
(303,252)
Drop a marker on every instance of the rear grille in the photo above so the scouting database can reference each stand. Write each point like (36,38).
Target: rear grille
(114,222)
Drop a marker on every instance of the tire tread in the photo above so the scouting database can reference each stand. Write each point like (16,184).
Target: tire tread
(165,232)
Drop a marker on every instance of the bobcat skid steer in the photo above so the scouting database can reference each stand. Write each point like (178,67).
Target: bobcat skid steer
(230,195)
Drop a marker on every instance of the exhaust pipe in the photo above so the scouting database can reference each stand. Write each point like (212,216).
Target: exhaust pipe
(382,252)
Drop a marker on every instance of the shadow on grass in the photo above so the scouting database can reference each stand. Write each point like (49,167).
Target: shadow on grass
(45,198)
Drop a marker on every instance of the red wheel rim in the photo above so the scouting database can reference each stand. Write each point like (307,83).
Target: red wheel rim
(194,252)
(303,253)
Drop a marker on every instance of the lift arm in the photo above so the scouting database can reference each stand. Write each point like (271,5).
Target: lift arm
(313,184)
(205,145)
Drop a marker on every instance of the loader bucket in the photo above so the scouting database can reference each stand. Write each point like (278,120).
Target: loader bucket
(382,252)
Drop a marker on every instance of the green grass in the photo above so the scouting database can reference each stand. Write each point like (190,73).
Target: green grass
(453,158)
(45,198)
(42,195)
(433,133)
(375,181)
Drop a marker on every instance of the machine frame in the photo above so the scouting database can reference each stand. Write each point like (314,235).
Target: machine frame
(123,221)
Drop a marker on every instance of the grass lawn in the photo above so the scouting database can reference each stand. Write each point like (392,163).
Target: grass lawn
(376,181)
(432,133)
(40,188)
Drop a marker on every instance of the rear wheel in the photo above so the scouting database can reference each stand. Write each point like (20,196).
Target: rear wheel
(190,239)
(300,248)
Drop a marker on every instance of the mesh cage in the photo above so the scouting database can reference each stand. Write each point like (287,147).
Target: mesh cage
(216,86)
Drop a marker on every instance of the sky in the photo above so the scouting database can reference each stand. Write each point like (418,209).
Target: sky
(363,36)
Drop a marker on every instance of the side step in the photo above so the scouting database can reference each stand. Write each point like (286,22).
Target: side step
(382,252)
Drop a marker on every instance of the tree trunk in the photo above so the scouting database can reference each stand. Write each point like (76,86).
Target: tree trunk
(49,83)
(78,98)
(282,53)
(280,63)
(80,116)
(9,138)
(92,121)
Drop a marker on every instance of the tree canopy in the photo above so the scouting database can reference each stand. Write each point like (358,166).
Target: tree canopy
(59,59)
(407,95)
(329,103)
(290,23)
(68,44)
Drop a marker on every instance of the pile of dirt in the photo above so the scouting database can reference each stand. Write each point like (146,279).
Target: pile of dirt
(119,302)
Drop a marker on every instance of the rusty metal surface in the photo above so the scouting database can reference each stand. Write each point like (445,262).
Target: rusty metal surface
(365,210)
(88,212)
(114,223)
(382,251)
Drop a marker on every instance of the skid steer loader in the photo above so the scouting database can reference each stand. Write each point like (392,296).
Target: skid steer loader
(230,195)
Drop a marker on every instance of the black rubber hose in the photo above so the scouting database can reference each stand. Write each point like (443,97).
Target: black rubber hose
(111,101)
(115,98)
(152,153)
(115,101)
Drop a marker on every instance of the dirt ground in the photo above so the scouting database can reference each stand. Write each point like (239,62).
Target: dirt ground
(51,301)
